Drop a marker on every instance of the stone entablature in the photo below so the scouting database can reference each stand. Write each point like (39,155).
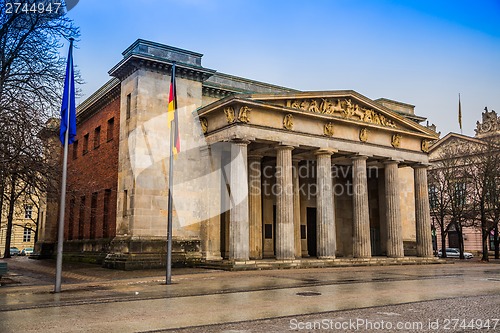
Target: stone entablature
(277,113)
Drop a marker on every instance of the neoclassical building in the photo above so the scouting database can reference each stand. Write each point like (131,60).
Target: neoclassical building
(266,175)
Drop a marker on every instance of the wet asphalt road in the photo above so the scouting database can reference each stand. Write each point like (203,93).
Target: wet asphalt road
(97,300)
(461,314)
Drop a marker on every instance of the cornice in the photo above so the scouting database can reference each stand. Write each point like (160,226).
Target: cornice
(102,97)
(134,62)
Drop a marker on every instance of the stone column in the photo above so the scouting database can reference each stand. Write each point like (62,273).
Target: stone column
(361,216)
(210,228)
(325,212)
(239,224)
(284,204)
(422,212)
(296,208)
(255,205)
(393,211)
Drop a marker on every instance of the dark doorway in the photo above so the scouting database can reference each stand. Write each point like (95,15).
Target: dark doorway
(223,249)
(453,239)
(375,241)
(274,229)
(311,232)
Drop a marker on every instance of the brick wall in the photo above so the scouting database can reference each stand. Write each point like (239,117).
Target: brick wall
(93,175)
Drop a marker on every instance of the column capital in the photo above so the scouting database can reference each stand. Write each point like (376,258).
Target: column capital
(391,161)
(325,151)
(359,157)
(283,147)
(421,166)
(254,156)
(240,142)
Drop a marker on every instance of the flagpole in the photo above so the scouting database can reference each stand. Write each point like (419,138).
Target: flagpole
(170,190)
(460,114)
(62,204)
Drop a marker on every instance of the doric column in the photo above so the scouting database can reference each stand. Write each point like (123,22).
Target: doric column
(422,212)
(255,205)
(325,213)
(296,208)
(239,224)
(284,204)
(361,217)
(393,211)
(210,228)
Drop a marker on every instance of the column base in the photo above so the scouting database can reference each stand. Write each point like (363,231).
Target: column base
(211,256)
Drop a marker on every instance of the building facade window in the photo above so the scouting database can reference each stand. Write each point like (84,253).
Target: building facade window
(105,213)
(81,218)
(97,137)
(460,193)
(93,215)
(111,129)
(72,205)
(27,235)
(128,106)
(433,196)
(75,149)
(28,211)
(86,143)
(125,203)
(492,241)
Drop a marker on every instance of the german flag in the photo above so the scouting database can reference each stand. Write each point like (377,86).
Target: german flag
(173,116)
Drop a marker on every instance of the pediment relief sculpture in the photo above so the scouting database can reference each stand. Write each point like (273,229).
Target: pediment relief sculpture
(396,140)
(341,107)
(363,134)
(288,122)
(244,114)
(328,129)
(229,111)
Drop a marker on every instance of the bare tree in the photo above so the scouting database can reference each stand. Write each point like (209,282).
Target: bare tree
(484,171)
(31,78)
(439,201)
(449,191)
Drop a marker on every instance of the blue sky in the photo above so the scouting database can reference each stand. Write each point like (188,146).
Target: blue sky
(418,52)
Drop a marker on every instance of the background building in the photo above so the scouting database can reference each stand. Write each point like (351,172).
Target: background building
(27,214)
(463,157)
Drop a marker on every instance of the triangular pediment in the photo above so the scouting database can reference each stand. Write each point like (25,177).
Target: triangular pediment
(346,105)
(453,144)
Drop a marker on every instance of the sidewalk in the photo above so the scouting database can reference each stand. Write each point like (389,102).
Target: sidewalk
(30,283)
(101,300)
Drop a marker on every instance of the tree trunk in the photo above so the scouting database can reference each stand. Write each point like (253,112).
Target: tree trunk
(37,224)
(485,244)
(460,241)
(10,216)
(443,243)
(497,242)
(484,238)
(2,189)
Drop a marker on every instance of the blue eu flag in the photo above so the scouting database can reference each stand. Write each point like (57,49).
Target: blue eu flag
(68,121)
